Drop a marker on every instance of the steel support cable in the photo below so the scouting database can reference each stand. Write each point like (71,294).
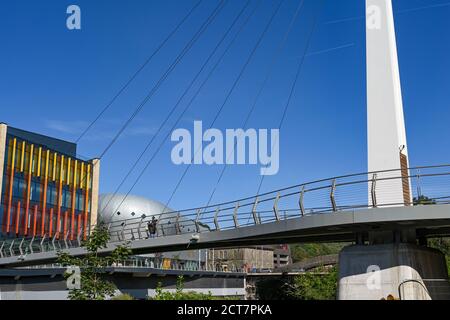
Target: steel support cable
(211,72)
(294,84)
(261,37)
(274,59)
(138,71)
(155,88)
(297,76)
(175,107)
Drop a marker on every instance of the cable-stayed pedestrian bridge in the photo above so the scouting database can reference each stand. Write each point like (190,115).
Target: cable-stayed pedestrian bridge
(335,209)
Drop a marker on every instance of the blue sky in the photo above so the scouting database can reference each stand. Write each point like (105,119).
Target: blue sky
(55,81)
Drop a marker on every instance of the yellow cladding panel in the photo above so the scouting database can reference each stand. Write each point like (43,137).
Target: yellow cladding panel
(87,176)
(22,157)
(55,159)
(82,176)
(30,160)
(13,154)
(68,170)
(39,162)
(75,174)
(47,158)
(10,147)
(61,171)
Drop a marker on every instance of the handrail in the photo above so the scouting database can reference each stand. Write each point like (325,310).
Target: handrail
(411,280)
(289,194)
(317,197)
(303,184)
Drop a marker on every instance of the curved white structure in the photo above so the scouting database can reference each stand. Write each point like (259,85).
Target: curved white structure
(133,210)
(117,207)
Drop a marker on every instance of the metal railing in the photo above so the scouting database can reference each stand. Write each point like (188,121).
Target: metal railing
(21,246)
(427,185)
(157,264)
(415,281)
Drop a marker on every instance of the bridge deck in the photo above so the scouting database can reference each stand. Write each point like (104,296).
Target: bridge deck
(330,227)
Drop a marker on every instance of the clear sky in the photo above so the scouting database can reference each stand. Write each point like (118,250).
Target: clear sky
(55,81)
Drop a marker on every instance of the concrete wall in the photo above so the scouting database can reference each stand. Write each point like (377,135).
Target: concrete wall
(257,258)
(138,284)
(240,257)
(402,270)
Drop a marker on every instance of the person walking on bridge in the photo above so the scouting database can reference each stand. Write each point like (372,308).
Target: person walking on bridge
(152,227)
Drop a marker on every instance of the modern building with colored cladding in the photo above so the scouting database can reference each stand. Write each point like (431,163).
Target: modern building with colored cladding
(45,189)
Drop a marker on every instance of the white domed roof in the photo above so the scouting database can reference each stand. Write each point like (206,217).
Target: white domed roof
(134,212)
(118,207)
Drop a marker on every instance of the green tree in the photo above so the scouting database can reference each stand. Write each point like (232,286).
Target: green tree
(308,286)
(179,293)
(423,200)
(93,284)
(442,244)
(123,296)
(273,288)
(312,286)
(304,251)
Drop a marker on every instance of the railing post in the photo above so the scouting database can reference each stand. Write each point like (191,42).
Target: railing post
(419,187)
(11,252)
(42,242)
(333,200)
(65,239)
(31,245)
(122,232)
(216,221)
(373,190)
(177,224)
(275,207)
(80,231)
(53,241)
(255,215)
(162,229)
(20,247)
(140,226)
(197,220)
(235,218)
(301,202)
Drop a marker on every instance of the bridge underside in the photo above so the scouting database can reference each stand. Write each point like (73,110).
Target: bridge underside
(342,226)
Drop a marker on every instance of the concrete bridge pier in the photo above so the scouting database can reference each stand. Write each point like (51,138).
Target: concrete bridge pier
(403,270)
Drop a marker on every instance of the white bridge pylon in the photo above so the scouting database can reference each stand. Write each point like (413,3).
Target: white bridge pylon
(386,134)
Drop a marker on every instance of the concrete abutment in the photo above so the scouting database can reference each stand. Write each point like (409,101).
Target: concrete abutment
(403,271)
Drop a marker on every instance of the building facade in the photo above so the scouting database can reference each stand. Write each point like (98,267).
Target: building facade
(45,189)
(248,259)
(281,256)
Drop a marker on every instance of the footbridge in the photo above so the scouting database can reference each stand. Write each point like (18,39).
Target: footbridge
(338,209)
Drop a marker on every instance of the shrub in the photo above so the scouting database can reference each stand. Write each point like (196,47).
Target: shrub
(123,296)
